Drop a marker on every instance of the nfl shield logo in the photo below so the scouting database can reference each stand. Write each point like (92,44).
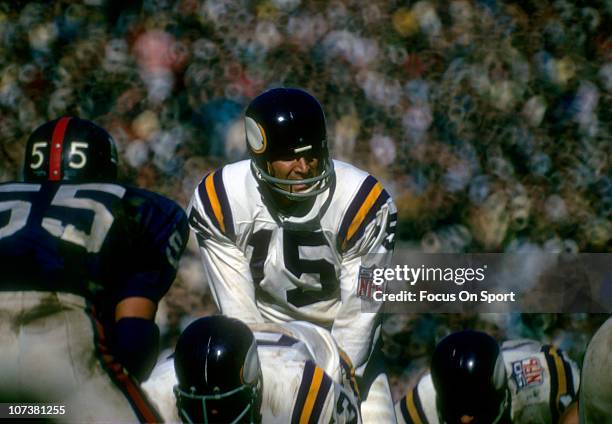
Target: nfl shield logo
(527,373)
(365,286)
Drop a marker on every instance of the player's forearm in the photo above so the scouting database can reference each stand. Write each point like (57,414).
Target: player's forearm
(570,416)
(136,345)
(135,307)
(135,342)
(230,284)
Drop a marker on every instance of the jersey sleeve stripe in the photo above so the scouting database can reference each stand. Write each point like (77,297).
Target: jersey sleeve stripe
(404,409)
(361,211)
(560,373)
(309,368)
(362,193)
(415,409)
(558,383)
(199,225)
(226,211)
(322,392)
(213,197)
(345,361)
(311,394)
(203,194)
(369,216)
(214,200)
(317,378)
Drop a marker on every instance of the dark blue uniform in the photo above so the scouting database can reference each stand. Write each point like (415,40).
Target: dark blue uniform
(89,239)
(102,242)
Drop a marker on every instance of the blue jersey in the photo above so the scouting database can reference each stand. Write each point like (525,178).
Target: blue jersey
(91,239)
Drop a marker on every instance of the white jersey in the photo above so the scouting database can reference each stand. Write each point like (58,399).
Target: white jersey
(305,377)
(541,379)
(263,266)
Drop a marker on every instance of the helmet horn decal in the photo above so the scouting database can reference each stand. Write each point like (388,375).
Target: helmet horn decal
(256,136)
(55,150)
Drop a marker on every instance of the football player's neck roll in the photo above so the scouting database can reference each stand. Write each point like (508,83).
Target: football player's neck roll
(286,140)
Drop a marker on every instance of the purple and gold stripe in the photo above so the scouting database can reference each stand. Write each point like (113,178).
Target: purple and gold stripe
(346,363)
(412,410)
(560,381)
(311,395)
(216,205)
(362,210)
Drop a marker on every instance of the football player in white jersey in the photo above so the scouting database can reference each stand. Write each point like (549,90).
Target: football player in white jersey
(474,381)
(595,405)
(223,371)
(291,234)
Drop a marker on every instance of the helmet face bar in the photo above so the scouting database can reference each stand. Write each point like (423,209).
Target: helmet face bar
(471,361)
(70,149)
(315,189)
(189,401)
(218,372)
(286,124)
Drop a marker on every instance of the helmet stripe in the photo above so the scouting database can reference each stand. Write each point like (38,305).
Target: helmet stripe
(55,151)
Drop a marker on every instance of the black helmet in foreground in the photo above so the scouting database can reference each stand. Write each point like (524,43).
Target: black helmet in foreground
(218,372)
(469,376)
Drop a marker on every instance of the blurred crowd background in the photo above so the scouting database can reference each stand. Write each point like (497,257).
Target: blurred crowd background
(487,120)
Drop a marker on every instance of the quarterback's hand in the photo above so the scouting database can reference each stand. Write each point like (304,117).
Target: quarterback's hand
(570,416)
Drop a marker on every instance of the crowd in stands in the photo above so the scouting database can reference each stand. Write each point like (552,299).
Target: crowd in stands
(487,120)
